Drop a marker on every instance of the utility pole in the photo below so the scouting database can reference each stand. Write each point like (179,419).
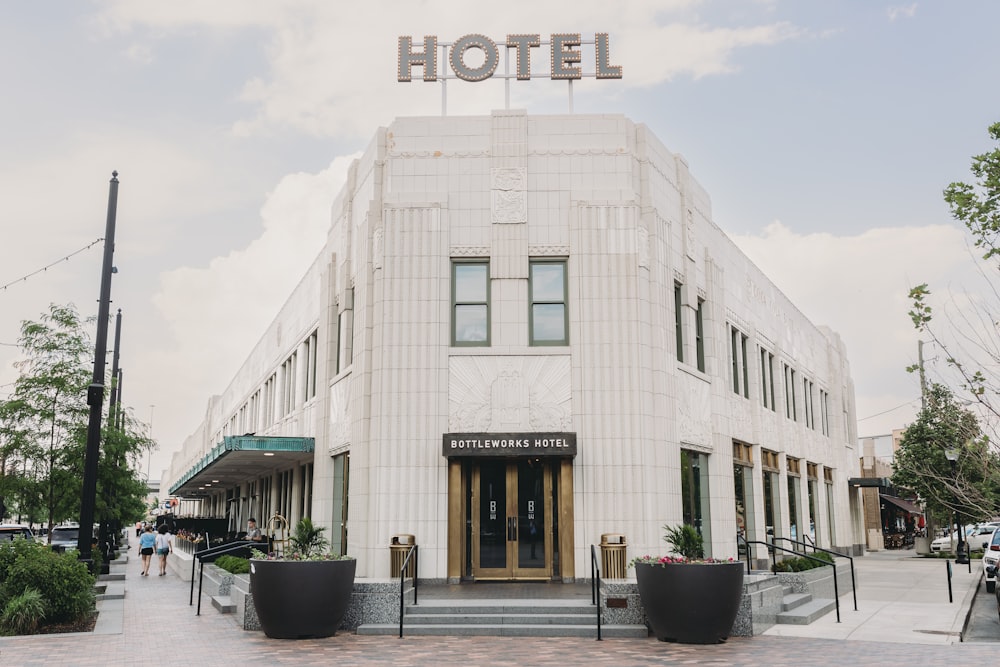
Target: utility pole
(95,392)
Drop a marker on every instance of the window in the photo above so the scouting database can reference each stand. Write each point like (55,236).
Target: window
(769,466)
(548,321)
(699,334)
(470,296)
(678,321)
(807,403)
(767,379)
(309,351)
(738,356)
(694,494)
(811,489)
(341,478)
(793,466)
(824,419)
(828,482)
(743,488)
(288,372)
(791,409)
(270,391)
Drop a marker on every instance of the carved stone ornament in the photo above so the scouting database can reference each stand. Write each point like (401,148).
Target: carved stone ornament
(513,394)
(509,198)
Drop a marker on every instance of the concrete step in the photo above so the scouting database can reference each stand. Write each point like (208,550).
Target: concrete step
(113,590)
(501,619)
(792,600)
(807,613)
(506,630)
(224,604)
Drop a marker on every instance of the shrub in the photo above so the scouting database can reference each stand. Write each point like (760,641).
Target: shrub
(63,582)
(23,613)
(233,564)
(685,540)
(799,564)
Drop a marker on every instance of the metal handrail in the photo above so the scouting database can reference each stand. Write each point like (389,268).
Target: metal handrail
(836,554)
(412,552)
(771,548)
(211,554)
(595,586)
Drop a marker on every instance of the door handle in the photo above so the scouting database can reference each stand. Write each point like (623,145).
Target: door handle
(511,528)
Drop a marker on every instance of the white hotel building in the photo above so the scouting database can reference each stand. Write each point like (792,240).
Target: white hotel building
(525,332)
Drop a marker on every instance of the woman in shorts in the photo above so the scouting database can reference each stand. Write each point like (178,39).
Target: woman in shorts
(147,543)
(164,545)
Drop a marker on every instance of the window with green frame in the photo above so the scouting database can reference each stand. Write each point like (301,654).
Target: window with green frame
(470,303)
(547,320)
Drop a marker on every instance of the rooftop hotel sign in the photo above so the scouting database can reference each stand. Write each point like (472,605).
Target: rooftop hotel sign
(565,57)
(508,444)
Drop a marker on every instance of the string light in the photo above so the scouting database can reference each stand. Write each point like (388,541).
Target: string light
(46,268)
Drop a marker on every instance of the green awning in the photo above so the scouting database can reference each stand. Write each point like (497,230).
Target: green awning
(242,458)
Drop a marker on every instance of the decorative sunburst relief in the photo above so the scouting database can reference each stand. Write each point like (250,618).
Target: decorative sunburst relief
(500,394)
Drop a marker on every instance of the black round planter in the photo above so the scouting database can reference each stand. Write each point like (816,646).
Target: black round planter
(691,603)
(301,599)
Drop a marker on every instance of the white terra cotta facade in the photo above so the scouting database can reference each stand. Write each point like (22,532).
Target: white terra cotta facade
(527,276)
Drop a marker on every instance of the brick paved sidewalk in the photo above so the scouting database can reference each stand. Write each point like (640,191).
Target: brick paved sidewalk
(157,625)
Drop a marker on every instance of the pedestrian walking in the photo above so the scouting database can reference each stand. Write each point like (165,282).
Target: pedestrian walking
(164,545)
(147,543)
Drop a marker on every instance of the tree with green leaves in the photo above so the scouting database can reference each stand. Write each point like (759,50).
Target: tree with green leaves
(966,330)
(43,432)
(970,486)
(50,406)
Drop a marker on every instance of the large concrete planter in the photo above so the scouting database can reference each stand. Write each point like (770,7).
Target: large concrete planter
(691,603)
(301,599)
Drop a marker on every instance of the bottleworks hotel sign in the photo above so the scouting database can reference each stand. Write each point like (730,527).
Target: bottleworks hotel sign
(509,444)
(565,57)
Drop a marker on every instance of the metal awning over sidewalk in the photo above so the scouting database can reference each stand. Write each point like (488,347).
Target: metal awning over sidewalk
(904,505)
(241,458)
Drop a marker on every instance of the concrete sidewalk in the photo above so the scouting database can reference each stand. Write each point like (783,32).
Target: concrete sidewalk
(902,598)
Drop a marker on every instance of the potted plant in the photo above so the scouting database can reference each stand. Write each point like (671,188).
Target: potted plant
(689,598)
(304,593)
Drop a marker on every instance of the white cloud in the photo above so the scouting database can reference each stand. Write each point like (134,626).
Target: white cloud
(235,297)
(327,75)
(858,286)
(907,11)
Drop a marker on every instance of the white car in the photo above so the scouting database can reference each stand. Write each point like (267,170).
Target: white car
(981,537)
(991,557)
(950,542)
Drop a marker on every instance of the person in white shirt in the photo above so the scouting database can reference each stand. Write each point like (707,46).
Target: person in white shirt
(164,545)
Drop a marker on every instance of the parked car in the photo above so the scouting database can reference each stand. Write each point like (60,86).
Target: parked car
(981,537)
(65,537)
(991,559)
(945,544)
(8,531)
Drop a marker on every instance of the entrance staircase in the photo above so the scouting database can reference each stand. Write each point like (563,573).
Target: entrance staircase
(802,608)
(503,618)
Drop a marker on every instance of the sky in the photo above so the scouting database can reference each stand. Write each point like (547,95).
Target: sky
(823,130)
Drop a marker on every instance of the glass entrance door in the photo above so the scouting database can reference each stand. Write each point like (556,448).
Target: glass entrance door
(512,522)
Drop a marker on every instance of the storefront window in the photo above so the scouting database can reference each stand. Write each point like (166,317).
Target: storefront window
(694,494)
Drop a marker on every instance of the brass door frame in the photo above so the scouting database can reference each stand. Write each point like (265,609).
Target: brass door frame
(513,526)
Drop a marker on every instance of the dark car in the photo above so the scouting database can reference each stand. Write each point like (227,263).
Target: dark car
(65,537)
(8,531)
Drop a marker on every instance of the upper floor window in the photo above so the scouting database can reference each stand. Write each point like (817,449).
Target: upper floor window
(738,357)
(548,319)
(767,378)
(679,320)
(470,303)
(699,334)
